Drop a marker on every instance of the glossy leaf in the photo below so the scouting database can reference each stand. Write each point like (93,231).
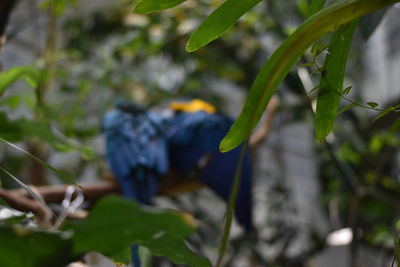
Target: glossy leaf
(332,80)
(22,247)
(349,106)
(372,104)
(116,223)
(282,60)
(219,22)
(31,75)
(347,90)
(147,6)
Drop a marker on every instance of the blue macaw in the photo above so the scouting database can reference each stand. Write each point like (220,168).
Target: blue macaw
(193,134)
(136,152)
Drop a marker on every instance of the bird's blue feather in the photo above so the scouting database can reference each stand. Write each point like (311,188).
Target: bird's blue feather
(193,136)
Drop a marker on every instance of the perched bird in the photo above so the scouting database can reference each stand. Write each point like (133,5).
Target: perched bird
(136,152)
(193,134)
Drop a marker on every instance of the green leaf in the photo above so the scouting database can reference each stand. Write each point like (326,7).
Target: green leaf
(116,223)
(282,60)
(332,79)
(352,105)
(22,247)
(347,90)
(315,6)
(31,74)
(383,113)
(147,6)
(372,104)
(219,22)
(317,49)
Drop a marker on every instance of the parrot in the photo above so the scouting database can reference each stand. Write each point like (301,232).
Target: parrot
(193,134)
(136,151)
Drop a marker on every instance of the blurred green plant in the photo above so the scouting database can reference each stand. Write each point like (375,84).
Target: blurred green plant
(113,225)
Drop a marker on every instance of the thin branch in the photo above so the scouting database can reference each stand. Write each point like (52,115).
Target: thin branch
(262,133)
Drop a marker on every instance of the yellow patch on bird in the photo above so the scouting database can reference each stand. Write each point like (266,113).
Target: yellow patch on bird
(193,106)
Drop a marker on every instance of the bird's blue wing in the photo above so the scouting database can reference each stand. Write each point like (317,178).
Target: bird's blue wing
(194,136)
(136,151)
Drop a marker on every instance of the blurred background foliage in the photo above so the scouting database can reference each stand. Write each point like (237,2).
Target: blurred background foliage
(78,58)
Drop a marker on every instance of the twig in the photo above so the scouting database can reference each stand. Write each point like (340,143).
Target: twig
(262,133)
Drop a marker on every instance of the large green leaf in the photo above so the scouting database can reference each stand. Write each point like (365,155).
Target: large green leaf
(22,247)
(219,22)
(30,74)
(116,223)
(332,79)
(113,225)
(282,60)
(147,6)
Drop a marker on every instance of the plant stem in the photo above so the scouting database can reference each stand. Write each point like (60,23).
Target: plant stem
(231,206)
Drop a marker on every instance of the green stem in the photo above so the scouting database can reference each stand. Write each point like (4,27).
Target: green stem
(223,246)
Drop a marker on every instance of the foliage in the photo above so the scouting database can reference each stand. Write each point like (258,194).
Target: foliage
(112,226)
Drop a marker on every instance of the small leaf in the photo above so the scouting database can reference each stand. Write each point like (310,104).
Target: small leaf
(383,113)
(372,104)
(219,22)
(346,90)
(147,6)
(282,60)
(317,49)
(346,108)
(31,75)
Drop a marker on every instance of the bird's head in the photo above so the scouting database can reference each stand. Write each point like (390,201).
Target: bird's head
(130,107)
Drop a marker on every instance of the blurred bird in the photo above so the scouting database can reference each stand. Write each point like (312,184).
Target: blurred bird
(193,134)
(136,152)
